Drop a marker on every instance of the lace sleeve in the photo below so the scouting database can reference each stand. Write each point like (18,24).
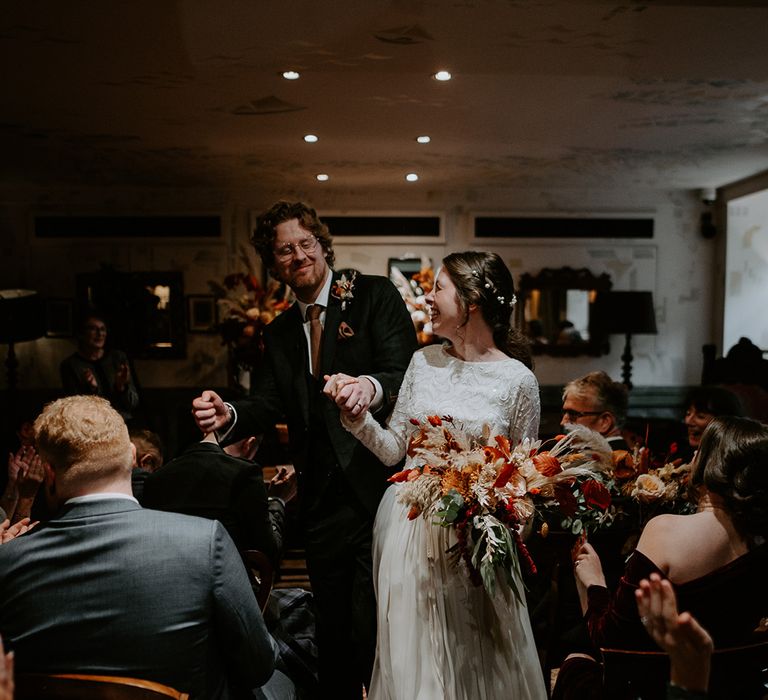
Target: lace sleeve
(526,411)
(389,443)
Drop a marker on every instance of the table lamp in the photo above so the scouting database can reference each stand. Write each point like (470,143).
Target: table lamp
(22,318)
(629,313)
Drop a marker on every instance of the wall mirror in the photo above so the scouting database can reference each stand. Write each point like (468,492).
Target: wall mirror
(144,310)
(556,310)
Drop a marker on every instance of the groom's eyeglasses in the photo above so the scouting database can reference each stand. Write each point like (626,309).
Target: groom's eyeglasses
(573,416)
(285,252)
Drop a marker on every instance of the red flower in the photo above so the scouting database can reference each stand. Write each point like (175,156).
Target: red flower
(434,420)
(596,495)
(505,475)
(566,500)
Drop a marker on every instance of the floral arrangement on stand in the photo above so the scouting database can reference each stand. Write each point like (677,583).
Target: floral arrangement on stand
(414,290)
(488,490)
(245,307)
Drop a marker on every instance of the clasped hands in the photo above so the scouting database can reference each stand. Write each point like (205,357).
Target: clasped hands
(353,395)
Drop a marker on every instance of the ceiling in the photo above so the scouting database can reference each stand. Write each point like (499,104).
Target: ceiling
(545,93)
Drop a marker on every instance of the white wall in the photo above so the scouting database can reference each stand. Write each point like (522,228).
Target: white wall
(676,265)
(746,282)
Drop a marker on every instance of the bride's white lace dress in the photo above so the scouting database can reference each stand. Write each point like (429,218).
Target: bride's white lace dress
(439,636)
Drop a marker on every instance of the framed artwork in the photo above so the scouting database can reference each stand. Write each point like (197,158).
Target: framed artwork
(59,318)
(202,314)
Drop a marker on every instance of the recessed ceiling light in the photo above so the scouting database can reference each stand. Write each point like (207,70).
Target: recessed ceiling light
(323,177)
(442,76)
(291,75)
(423,139)
(411,177)
(310,138)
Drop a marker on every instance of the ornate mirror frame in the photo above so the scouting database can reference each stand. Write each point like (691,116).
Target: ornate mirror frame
(553,285)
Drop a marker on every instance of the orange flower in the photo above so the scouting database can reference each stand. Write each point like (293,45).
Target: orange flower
(623,464)
(415,442)
(546,464)
(434,420)
(504,445)
(400,476)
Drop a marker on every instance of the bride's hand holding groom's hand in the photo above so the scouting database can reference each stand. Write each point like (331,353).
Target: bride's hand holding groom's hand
(353,395)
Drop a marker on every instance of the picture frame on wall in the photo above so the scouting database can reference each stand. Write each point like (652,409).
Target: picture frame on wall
(59,318)
(202,313)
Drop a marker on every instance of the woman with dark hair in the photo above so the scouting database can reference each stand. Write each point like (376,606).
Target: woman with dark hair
(716,560)
(439,635)
(704,404)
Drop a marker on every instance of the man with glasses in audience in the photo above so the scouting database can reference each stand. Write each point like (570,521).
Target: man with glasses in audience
(599,403)
(344,323)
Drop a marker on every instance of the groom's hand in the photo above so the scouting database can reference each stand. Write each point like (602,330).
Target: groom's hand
(210,412)
(353,395)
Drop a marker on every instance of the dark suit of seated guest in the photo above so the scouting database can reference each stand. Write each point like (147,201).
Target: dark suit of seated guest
(208,482)
(108,588)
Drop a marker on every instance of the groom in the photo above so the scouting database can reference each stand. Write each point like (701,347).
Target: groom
(352,324)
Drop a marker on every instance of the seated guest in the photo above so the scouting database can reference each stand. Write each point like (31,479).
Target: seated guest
(95,369)
(149,458)
(111,589)
(716,560)
(704,404)
(598,403)
(206,481)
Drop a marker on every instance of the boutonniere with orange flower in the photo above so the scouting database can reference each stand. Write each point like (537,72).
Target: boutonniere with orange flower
(343,287)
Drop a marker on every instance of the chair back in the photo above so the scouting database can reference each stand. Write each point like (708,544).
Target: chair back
(68,686)
(261,573)
(736,672)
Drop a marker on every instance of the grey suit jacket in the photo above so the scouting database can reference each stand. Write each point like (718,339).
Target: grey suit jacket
(110,588)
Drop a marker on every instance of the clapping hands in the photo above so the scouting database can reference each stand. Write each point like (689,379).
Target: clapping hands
(679,634)
(9,532)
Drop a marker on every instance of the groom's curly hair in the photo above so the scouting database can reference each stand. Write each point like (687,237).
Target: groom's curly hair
(263,236)
(483,279)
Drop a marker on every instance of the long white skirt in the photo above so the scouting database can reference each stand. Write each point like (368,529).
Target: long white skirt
(439,636)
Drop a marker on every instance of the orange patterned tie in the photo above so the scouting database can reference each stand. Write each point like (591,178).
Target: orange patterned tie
(315,335)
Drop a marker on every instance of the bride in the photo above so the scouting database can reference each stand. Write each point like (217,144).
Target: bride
(440,636)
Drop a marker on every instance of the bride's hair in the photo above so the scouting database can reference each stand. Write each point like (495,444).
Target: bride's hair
(731,462)
(483,279)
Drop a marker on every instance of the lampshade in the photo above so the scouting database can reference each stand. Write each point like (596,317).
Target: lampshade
(626,312)
(22,316)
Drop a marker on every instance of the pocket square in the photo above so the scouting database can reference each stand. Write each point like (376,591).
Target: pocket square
(345,331)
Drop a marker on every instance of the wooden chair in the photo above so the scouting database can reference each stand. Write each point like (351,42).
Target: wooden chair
(67,686)
(737,672)
(261,573)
